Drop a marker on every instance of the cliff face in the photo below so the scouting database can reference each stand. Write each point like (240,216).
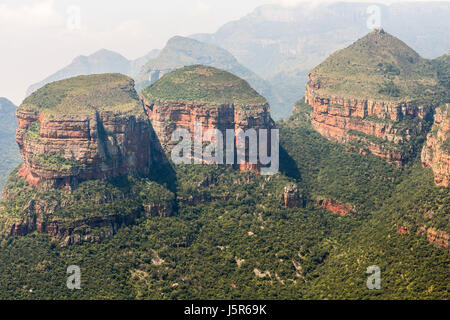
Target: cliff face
(436,151)
(373,126)
(61,150)
(377,96)
(167,117)
(75,136)
(51,212)
(213,110)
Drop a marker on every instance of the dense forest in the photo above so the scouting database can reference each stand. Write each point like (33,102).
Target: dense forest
(232,238)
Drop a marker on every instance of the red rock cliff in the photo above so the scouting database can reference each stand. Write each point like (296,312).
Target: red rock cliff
(167,117)
(436,151)
(374,125)
(87,127)
(212,97)
(91,146)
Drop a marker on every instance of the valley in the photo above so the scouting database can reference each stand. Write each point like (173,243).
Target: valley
(360,168)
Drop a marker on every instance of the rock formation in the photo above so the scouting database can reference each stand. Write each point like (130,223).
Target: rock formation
(436,152)
(214,98)
(98,139)
(291,197)
(180,52)
(438,237)
(370,96)
(336,207)
(88,148)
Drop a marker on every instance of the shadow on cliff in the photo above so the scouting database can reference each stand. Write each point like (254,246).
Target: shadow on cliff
(161,170)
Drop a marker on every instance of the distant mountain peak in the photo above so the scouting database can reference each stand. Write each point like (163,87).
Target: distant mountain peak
(363,68)
(378,30)
(101,61)
(180,52)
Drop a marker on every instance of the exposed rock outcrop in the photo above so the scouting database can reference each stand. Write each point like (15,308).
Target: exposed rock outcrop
(369,126)
(197,94)
(377,96)
(336,207)
(291,197)
(88,147)
(436,151)
(438,237)
(92,229)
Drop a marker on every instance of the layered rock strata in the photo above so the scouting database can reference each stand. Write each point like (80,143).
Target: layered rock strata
(211,110)
(374,126)
(61,149)
(436,151)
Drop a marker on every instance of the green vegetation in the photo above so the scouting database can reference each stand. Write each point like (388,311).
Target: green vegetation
(380,66)
(121,196)
(85,95)
(33,132)
(390,89)
(201,84)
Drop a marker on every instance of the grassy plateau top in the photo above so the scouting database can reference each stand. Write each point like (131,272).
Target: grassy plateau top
(378,66)
(202,84)
(85,95)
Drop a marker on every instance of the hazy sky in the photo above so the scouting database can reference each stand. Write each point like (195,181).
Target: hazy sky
(39,37)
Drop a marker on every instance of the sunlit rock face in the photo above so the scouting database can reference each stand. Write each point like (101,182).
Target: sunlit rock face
(81,136)
(212,98)
(436,151)
(377,96)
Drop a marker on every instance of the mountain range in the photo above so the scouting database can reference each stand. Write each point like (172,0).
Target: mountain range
(281,44)
(96,188)
(102,61)
(180,52)
(274,47)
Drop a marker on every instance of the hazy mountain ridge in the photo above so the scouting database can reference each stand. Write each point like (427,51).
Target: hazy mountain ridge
(9,156)
(102,61)
(282,44)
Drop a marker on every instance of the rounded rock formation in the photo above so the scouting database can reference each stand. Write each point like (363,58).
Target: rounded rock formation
(215,98)
(87,127)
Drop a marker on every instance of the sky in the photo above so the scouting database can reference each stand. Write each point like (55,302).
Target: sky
(39,37)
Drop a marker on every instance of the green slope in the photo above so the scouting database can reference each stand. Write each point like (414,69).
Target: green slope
(85,94)
(202,84)
(378,66)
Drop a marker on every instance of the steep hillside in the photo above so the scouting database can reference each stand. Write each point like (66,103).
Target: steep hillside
(77,137)
(233,237)
(376,95)
(180,52)
(83,128)
(102,61)
(282,43)
(362,69)
(9,156)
